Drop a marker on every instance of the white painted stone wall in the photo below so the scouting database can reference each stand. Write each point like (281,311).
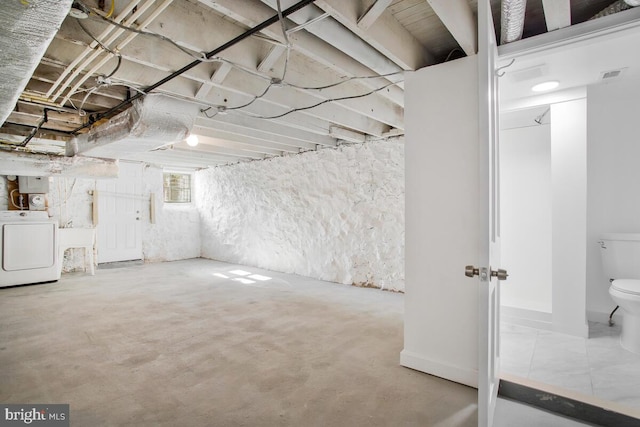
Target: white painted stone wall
(176,232)
(334,214)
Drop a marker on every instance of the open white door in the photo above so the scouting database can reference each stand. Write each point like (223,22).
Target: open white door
(489,229)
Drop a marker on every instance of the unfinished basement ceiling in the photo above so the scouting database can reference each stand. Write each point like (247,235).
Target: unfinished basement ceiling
(266,95)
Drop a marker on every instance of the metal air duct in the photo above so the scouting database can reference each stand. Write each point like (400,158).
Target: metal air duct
(512,20)
(151,122)
(26,30)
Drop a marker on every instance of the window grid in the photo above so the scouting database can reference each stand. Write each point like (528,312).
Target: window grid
(177,188)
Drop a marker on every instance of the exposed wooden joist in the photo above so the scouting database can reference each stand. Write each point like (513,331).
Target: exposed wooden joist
(165,159)
(239,123)
(334,33)
(300,70)
(267,64)
(458,17)
(289,146)
(263,149)
(386,34)
(190,153)
(557,13)
(185,86)
(217,78)
(206,146)
(251,13)
(369,115)
(373,13)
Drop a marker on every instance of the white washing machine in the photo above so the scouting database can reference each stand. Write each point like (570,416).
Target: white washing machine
(28,248)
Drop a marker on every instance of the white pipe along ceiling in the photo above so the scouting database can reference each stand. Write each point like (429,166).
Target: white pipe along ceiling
(253,79)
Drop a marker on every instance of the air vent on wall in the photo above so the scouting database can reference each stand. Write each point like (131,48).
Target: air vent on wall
(611,74)
(530,73)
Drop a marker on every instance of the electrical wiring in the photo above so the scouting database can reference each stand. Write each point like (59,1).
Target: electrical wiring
(112,9)
(452,52)
(283,25)
(12,202)
(89,92)
(343,81)
(321,103)
(201,56)
(210,57)
(272,82)
(116,54)
(35,130)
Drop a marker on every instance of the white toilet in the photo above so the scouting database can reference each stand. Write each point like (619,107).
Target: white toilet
(621,264)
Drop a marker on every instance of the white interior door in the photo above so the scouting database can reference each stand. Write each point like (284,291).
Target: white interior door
(119,215)
(489,245)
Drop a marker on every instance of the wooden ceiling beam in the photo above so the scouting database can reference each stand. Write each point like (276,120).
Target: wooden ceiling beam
(459,19)
(386,34)
(557,13)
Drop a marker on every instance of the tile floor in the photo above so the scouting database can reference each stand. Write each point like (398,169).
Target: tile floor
(597,366)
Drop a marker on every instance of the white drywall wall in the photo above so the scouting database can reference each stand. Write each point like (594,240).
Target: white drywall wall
(441,162)
(525,208)
(334,214)
(613,176)
(569,216)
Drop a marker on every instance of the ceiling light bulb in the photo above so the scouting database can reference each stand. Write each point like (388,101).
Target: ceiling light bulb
(545,86)
(192,140)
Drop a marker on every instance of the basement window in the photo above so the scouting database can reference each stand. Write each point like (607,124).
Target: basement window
(177,187)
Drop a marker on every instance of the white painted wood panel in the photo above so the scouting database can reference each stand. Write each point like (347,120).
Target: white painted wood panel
(120,215)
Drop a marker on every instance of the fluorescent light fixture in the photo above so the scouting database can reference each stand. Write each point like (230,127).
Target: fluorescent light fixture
(192,140)
(545,86)
(244,281)
(220,275)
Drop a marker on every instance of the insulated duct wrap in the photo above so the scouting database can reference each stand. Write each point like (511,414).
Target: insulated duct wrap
(616,7)
(512,20)
(151,122)
(26,30)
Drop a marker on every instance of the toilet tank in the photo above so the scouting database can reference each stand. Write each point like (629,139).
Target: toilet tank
(620,255)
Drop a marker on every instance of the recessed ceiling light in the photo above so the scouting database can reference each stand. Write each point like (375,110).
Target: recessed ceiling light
(545,86)
(192,140)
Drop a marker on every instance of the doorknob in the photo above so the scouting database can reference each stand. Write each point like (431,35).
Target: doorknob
(471,271)
(500,274)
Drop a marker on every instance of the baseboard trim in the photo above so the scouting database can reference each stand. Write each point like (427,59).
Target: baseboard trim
(570,404)
(528,318)
(457,374)
(577,329)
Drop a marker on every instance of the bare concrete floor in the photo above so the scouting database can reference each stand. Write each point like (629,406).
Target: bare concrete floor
(173,344)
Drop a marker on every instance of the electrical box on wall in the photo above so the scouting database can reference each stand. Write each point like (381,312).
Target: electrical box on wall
(33,184)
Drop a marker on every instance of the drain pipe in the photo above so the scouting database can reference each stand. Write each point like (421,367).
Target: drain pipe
(512,20)
(274,19)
